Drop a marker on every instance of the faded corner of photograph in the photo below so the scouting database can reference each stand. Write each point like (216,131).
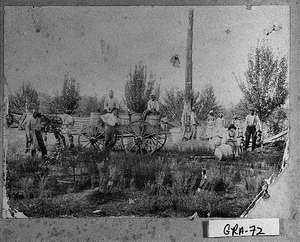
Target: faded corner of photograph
(177,112)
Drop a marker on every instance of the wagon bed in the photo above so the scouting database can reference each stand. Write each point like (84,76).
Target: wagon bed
(138,136)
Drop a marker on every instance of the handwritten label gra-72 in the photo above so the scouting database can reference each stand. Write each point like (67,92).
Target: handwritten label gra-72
(243,227)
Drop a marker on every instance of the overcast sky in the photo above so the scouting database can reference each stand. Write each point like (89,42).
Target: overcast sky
(99,45)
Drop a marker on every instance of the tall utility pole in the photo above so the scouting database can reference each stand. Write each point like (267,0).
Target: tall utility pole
(189,67)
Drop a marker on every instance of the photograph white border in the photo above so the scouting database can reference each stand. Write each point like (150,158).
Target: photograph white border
(153,229)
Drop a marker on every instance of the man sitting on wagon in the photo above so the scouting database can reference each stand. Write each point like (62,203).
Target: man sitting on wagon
(110,102)
(152,107)
(110,121)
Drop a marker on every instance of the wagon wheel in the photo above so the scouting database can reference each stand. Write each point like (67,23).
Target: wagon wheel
(140,137)
(92,138)
(162,138)
(61,140)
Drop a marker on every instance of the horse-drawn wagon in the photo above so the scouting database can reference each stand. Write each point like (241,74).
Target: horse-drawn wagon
(132,134)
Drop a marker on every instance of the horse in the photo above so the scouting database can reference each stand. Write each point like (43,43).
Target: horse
(51,123)
(13,119)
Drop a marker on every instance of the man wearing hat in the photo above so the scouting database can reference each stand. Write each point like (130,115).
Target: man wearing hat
(252,124)
(34,132)
(152,107)
(110,121)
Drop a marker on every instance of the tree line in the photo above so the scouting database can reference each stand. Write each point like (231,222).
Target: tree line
(264,87)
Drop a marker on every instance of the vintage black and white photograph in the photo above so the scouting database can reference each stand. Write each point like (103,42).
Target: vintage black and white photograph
(144,111)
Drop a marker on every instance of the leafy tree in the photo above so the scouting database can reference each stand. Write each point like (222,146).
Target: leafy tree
(67,99)
(45,102)
(240,109)
(70,94)
(138,89)
(90,104)
(26,95)
(173,103)
(55,104)
(266,81)
(207,101)
(276,122)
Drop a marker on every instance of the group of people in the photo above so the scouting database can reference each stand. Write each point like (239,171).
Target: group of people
(36,126)
(111,103)
(237,135)
(110,117)
(233,135)
(252,130)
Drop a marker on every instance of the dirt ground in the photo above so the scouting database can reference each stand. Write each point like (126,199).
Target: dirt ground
(16,142)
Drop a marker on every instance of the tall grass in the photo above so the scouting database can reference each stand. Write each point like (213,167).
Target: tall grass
(158,185)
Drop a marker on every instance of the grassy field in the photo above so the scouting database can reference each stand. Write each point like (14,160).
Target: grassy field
(84,183)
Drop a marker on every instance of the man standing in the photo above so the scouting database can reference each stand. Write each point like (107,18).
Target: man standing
(252,124)
(152,107)
(22,126)
(186,122)
(194,124)
(68,123)
(110,102)
(34,132)
(110,120)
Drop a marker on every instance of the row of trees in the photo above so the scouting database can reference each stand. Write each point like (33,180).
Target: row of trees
(203,102)
(28,97)
(264,88)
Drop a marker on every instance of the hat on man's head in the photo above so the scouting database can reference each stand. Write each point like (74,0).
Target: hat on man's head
(234,116)
(153,94)
(211,111)
(231,126)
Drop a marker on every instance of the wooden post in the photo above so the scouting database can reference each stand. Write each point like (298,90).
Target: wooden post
(188,68)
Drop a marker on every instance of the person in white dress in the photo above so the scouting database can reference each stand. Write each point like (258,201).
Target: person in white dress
(211,122)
